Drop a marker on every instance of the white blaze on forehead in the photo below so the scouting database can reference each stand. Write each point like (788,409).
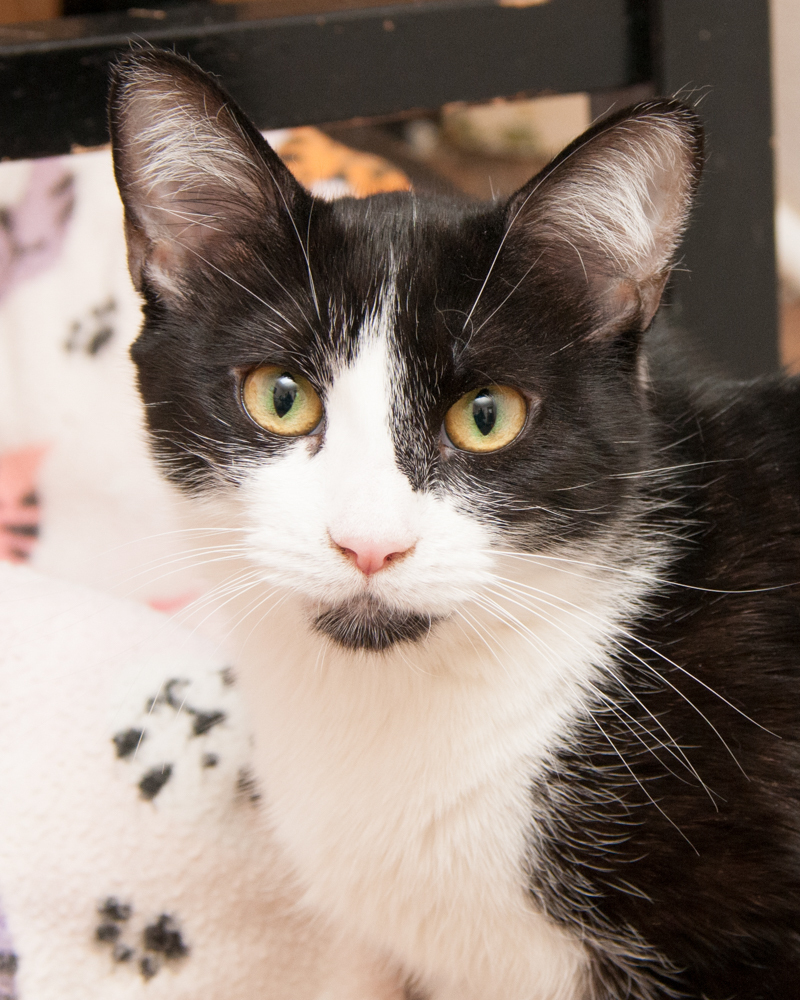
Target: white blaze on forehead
(366,494)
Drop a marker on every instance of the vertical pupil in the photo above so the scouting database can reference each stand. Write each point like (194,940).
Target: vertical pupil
(284,394)
(484,411)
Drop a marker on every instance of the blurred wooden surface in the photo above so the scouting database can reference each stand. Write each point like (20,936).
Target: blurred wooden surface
(14,11)
(790,335)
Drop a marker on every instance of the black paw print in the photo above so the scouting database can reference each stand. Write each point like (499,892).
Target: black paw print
(127,741)
(94,332)
(8,968)
(161,940)
(247,786)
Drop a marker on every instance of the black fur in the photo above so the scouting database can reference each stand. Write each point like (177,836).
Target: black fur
(672,827)
(708,876)
(369,625)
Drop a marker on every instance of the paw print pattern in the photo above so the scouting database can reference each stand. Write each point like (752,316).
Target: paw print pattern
(173,695)
(19,502)
(247,786)
(182,733)
(94,332)
(32,231)
(145,950)
(154,780)
(127,741)
(8,962)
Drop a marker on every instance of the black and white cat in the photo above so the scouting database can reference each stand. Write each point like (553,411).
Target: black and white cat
(517,598)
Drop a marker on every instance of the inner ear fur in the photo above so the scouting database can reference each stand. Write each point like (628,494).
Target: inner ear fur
(195,175)
(611,208)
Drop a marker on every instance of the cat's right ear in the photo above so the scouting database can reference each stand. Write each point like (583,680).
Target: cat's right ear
(196,177)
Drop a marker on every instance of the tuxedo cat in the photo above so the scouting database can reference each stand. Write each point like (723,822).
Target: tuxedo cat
(516,595)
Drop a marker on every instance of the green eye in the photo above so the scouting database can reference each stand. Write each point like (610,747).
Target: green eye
(281,401)
(486,419)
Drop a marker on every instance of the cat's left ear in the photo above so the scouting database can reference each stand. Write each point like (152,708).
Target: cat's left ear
(608,213)
(197,179)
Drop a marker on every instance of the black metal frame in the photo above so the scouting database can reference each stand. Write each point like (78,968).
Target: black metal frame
(366,62)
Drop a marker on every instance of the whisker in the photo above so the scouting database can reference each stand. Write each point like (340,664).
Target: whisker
(648,666)
(627,767)
(636,778)
(498,308)
(542,558)
(510,226)
(303,247)
(678,753)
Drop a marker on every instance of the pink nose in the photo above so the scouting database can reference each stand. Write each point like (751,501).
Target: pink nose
(371,556)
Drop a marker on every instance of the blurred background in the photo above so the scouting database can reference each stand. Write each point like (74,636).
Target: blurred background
(489,150)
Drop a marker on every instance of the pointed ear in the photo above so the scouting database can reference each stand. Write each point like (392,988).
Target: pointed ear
(196,177)
(611,208)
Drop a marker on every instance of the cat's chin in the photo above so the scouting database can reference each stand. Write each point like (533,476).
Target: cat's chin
(367,624)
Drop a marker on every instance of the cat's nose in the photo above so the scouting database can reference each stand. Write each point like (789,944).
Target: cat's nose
(371,556)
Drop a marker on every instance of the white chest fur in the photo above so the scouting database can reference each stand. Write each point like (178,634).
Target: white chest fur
(401,788)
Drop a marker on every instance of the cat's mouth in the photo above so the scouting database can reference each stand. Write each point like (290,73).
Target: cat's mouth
(371,625)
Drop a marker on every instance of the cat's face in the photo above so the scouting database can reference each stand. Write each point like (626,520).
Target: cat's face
(392,391)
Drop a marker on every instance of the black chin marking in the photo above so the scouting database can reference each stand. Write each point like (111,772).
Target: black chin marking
(370,625)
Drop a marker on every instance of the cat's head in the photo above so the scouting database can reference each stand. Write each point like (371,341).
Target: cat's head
(394,389)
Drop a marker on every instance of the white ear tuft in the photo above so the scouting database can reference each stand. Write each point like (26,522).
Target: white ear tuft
(194,174)
(614,205)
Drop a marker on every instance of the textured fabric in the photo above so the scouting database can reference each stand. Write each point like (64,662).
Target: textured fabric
(134,855)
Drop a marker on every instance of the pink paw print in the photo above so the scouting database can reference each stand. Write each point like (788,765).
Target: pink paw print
(19,502)
(32,231)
